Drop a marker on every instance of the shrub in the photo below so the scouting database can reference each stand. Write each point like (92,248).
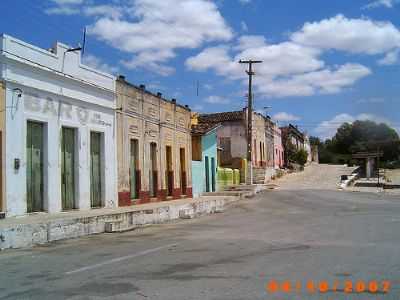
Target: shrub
(301,157)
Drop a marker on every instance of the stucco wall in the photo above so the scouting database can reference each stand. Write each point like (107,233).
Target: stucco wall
(278,148)
(3,137)
(148,119)
(209,148)
(237,134)
(259,139)
(56,90)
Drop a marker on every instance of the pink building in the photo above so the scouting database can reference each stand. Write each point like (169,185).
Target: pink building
(278,148)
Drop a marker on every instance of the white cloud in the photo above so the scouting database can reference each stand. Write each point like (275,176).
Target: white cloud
(350,35)
(295,67)
(151,30)
(65,7)
(329,81)
(327,129)
(103,10)
(216,100)
(288,69)
(250,41)
(62,10)
(243,26)
(217,59)
(285,117)
(379,3)
(390,58)
(96,63)
(155,29)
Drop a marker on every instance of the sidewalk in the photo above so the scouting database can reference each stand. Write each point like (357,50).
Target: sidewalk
(41,228)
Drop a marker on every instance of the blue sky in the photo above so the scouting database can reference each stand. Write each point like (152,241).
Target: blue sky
(325,62)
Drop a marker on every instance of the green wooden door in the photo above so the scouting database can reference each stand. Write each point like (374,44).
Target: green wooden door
(207,171)
(153,170)
(95,169)
(34,167)
(212,174)
(132,168)
(68,168)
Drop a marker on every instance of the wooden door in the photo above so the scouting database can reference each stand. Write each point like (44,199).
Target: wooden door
(207,171)
(170,172)
(95,170)
(183,170)
(213,174)
(153,176)
(68,168)
(133,167)
(34,167)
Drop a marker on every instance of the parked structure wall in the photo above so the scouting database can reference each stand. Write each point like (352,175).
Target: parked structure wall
(151,120)
(259,140)
(292,137)
(278,148)
(307,147)
(200,168)
(53,90)
(232,140)
(2,146)
(269,140)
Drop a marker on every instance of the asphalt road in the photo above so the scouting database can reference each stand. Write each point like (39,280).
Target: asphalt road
(318,235)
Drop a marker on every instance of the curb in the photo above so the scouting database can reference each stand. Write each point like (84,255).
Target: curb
(28,235)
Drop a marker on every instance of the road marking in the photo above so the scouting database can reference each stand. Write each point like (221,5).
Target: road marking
(119,259)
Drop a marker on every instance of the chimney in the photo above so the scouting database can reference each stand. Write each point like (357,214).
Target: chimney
(173,100)
(142,87)
(121,77)
(159,95)
(187,106)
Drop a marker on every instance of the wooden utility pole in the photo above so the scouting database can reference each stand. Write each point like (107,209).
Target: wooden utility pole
(250,114)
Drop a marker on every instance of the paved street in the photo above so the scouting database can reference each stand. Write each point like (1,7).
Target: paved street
(283,235)
(315,176)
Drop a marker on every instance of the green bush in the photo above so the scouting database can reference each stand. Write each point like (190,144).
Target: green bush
(300,157)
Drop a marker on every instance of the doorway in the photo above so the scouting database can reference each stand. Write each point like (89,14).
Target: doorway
(95,170)
(207,170)
(170,172)
(68,168)
(183,170)
(133,169)
(153,170)
(213,174)
(34,166)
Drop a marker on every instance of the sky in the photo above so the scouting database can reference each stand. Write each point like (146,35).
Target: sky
(324,62)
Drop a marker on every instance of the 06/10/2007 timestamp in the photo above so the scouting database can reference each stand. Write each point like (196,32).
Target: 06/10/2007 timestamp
(323,286)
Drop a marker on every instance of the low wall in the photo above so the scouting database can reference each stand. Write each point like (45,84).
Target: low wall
(227,177)
(28,234)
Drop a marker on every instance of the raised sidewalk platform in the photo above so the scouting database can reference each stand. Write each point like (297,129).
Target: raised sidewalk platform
(41,228)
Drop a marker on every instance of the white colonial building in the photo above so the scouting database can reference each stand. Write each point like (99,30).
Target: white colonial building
(57,131)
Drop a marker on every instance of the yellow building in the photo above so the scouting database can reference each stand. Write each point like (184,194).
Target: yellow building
(154,146)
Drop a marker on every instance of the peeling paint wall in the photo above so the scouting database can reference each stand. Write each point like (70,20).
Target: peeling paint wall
(151,119)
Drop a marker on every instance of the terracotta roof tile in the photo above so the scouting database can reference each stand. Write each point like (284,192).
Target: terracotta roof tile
(203,128)
(222,117)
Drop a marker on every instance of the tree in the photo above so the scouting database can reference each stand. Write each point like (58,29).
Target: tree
(357,137)
(301,157)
